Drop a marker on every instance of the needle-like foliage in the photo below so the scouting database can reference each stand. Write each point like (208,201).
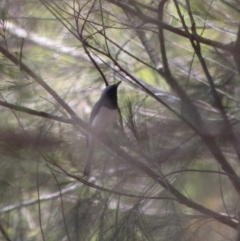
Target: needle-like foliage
(168,168)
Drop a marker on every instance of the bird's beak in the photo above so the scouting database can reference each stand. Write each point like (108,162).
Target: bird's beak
(117,84)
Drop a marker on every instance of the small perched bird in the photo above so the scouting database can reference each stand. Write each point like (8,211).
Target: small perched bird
(104,112)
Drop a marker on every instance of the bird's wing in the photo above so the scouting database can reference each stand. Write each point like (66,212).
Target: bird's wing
(94,112)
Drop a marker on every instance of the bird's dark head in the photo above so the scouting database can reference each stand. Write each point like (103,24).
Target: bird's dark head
(109,94)
(110,91)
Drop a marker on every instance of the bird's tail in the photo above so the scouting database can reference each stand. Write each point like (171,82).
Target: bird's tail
(88,163)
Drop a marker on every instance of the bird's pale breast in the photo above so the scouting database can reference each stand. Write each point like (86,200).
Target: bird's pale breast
(104,118)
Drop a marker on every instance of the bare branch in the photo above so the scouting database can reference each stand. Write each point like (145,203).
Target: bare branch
(147,19)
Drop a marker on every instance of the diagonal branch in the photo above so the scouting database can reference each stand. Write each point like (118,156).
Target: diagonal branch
(141,166)
(165,184)
(38,79)
(146,19)
(42,198)
(4,233)
(36,113)
(197,48)
(203,132)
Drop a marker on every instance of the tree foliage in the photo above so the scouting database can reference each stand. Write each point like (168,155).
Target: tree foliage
(168,168)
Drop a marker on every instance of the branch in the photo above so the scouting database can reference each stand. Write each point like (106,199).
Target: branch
(180,197)
(42,198)
(144,168)
(236,50)
(38,79)
(153,55)
(146,19)
(36,113)
(197,48)
(164,183)
(4,233)
(203,131)
(125,156)
(53,45)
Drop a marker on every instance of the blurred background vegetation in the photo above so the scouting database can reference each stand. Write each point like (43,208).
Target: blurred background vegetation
(171,170)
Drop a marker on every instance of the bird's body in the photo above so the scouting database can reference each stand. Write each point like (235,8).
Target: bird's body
(104,112)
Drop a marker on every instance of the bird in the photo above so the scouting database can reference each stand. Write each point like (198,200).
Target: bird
(104,112)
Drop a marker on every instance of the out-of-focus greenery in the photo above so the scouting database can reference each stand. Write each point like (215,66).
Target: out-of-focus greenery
(71,45)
